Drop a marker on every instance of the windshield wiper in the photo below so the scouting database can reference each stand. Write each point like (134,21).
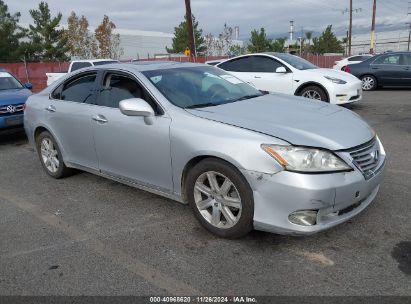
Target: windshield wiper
(201,105)
(247,97)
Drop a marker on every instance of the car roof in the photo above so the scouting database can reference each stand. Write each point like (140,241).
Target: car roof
(145,66)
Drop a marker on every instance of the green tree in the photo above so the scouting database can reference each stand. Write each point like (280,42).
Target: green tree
(309,36)
(236,50)
(47,41)
(10,33)
(327,43)
(180,40)
(259,41)
(277,45)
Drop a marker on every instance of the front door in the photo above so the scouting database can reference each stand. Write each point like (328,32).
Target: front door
(127,147)
(69,117)
(266,78)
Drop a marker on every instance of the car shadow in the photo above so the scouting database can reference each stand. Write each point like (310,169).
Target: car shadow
(15,137)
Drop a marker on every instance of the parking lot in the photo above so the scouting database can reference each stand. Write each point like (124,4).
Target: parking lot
(85,235)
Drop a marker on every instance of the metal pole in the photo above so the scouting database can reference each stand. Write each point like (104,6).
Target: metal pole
(372,40)
(350,30)
(189,19)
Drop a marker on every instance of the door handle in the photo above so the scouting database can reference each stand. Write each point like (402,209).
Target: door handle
(51,109)
(257,77)
(374,68)
(100,118)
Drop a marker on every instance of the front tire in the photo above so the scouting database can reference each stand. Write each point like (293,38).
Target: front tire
(221,198)
(369,83)
(314,92)
(50,156)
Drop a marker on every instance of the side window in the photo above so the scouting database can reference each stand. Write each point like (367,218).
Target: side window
(265,65)
(389,59)
(79,89)
(407,59)
(356,58)
(243,64)
(79,65)
(363,58)
(56,94)
(117,87)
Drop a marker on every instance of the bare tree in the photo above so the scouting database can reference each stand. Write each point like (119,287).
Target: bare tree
(108,43)
(82,43)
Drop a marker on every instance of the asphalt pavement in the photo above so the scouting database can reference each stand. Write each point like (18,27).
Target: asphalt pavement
(86,235)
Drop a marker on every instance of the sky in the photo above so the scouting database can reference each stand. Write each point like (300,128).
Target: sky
(273,15)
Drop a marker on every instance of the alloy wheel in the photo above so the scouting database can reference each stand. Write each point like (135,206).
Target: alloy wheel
(312,94)
(217,199)
(49,155)
(367,83)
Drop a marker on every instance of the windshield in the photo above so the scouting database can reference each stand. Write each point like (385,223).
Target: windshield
(8,82)
(104,62)
(296,62)
(197,87)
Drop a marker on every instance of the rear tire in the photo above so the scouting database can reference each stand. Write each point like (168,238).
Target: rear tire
(314,92)
(50,156)
(221,198)
(369,83)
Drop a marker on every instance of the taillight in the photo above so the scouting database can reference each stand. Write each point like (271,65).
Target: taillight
(347,69)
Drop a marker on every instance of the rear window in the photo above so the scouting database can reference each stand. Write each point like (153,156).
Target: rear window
(79,65)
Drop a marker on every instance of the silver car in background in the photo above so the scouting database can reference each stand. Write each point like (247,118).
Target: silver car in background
(241,158)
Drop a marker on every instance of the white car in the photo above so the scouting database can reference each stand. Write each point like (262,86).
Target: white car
(214,62)
(76,65)
(290,74)
(341,64)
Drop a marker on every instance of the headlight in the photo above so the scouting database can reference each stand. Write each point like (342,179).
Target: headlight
(335,80)
(301,159)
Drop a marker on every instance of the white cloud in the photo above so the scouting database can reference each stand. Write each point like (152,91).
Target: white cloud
(273,15)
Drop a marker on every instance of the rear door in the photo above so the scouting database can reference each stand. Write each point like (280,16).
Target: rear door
(69,118)
(265,78)
(388,70)
(127,147)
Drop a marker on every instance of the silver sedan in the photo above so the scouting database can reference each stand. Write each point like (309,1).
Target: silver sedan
(241,158)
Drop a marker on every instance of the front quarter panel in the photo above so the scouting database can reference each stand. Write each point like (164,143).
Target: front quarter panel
(193,137)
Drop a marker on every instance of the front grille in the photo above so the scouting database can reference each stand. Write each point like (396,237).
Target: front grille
(366,157)
(9,110)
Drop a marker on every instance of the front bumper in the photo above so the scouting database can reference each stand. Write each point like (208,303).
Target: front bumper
(336,196)
(346,93)
(11,121)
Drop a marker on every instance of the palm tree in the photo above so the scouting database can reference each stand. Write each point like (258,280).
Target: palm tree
(309,36)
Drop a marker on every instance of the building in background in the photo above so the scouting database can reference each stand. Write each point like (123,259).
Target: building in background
(143,44)
(147,44)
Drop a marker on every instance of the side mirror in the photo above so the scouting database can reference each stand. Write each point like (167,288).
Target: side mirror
(136,107)
(28,85)
(281,70)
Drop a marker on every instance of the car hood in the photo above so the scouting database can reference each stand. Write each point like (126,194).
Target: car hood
(15,96)
(333,73)
(296,120)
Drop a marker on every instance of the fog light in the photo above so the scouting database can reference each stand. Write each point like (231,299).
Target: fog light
(303,218)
